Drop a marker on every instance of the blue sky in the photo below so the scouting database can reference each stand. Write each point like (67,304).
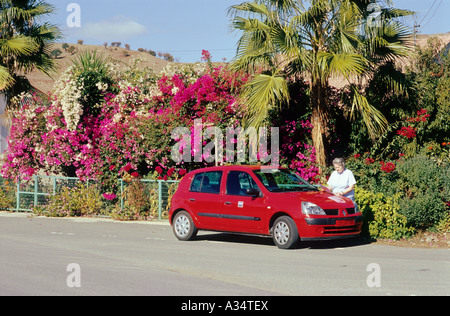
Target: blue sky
(185,27)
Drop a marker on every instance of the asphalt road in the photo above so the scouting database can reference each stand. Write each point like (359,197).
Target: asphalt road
(117,258)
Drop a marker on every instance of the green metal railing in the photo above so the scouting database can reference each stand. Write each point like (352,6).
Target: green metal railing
(23,195)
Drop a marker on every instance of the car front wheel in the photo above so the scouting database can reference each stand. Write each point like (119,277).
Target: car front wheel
(183,226)
(285,233)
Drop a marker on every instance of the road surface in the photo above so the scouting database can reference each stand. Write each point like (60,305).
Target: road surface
(51,256)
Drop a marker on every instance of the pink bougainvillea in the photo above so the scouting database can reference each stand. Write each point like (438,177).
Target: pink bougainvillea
(296,152)
(131,131)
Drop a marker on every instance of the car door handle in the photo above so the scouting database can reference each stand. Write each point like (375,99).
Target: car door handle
(192,200)
(227,203)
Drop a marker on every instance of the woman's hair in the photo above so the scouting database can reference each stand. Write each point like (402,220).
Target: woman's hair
(339,161)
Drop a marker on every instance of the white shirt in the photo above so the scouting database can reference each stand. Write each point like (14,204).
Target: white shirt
(341,181)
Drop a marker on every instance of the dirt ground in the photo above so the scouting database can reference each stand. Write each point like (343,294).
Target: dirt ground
(420,240)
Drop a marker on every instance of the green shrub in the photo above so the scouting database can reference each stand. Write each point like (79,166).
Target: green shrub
(7,194)
(139,202)
(424,210)
(381,216)
(136,198)
(124,214)
(444,224)
(6,200)
(420,185)
(425,188)
(81,200)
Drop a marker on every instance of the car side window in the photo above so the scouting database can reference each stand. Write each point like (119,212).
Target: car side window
(197,182)
(207,182)
(238,182)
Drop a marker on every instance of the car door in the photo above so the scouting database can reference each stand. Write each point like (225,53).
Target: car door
(205,199)
(242,212)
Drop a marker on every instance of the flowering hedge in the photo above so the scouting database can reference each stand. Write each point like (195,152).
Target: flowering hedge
(129,132)
(115,124)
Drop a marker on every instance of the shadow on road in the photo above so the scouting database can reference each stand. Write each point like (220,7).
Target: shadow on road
(267,241)
(332,244)
(235,238)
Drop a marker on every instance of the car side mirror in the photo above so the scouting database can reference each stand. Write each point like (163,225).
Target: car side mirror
(253,192)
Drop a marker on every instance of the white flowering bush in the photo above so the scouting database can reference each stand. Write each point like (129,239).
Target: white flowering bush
(67,96)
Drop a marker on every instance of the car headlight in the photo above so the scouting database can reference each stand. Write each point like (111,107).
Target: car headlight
(312,209)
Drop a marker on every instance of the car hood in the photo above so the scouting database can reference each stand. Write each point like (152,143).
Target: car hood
(323,199)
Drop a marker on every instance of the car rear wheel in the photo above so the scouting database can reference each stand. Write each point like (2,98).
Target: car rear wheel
(285,233)
(183,226)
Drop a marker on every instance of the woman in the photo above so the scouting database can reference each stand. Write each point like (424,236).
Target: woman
(342,182)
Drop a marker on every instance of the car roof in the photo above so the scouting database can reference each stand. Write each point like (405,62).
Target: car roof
(235,167)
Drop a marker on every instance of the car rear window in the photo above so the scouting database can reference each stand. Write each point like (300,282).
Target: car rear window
(207,182)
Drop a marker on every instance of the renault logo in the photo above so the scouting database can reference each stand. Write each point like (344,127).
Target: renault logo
(344,212)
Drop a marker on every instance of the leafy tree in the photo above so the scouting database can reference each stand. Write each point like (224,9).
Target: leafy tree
(25,43)
(56,53)
(71,49)
(430,76)
(317,39)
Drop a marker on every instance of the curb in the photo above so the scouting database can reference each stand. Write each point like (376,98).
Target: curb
(81,219)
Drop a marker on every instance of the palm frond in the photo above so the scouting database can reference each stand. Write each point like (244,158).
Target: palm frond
(264,92)
(6,80)
(374,120)
(311,16)
(250,25)
(249,8)
(19,45)
(343,64)
(26,11)
(391,78)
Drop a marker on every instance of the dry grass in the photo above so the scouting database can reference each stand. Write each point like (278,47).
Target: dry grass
(124,56)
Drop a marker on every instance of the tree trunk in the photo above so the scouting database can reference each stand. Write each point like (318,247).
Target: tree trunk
(320,120)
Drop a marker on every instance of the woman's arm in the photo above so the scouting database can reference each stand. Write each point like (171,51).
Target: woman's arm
(346,190)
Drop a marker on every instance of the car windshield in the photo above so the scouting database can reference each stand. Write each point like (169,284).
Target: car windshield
(281,180)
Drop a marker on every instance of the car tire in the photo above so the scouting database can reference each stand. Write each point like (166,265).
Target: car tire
(184,227)
(285,233)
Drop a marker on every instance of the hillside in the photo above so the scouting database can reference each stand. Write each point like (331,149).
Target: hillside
(423,38)
(45,83)
(124,56)
(402,63)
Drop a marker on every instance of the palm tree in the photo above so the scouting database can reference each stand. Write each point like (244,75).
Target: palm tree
(18,45)
(25,43)
(318,39)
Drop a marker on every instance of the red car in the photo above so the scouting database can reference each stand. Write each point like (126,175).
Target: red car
(263,201)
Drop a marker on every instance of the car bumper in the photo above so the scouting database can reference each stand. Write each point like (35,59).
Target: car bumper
(330,228)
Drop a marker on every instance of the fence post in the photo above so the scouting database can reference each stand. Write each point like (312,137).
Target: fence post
(121,194)
(35,191)
(18,195)
(159,199)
